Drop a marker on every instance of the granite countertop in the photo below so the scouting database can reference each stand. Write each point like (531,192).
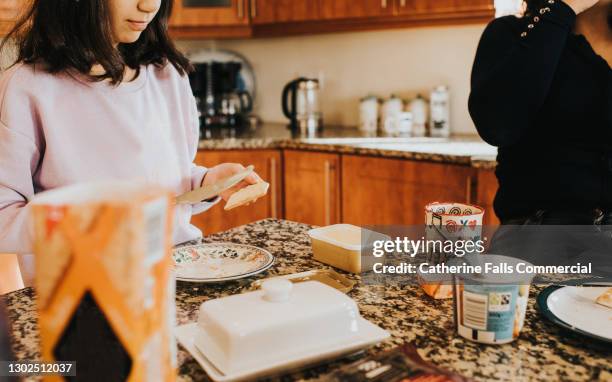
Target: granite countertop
(278,136)
(543,352)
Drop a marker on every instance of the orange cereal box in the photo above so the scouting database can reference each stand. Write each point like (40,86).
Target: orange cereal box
(105,294)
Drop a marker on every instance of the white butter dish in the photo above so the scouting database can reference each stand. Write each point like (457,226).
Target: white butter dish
(282,326)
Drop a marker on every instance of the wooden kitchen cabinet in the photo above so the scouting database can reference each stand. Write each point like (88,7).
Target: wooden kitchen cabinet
(209,12)
(460,10)
(380,191)
(347,9)
(9,12)
(312,187)
(210,18)
(268,165)
(283,11)
(260,18)
(486,190)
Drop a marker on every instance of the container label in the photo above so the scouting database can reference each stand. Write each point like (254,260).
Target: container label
(490,308)
(475,310)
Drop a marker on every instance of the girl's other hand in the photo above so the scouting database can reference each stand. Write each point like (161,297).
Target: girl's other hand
(224,170)
(580,6)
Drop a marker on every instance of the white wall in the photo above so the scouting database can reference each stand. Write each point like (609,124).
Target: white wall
(403,62)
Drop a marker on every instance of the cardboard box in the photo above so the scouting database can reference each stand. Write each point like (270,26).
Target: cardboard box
(104,288)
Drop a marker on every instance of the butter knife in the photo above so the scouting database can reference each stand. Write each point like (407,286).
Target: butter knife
(212,190)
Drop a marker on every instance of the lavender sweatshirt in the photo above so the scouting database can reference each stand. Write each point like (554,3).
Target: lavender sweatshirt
(57,130)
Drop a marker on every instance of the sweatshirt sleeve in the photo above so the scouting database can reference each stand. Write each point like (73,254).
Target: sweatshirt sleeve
(197,172)
(514,67)
(20,153)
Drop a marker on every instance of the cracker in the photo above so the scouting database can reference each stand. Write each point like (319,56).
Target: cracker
(247,195)
(605,298)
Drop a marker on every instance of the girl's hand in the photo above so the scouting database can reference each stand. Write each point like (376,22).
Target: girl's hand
(580,6)
(225,170)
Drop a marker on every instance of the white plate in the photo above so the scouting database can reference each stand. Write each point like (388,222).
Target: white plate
(576,307)
(218,262)
(370,336)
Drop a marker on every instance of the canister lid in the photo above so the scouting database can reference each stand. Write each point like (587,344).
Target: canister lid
(369,97)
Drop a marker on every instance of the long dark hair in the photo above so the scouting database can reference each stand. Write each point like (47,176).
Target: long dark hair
(67,35)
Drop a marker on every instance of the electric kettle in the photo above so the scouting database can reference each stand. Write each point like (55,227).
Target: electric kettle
(300,102)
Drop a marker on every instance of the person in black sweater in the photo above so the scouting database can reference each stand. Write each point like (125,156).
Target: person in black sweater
(542,93)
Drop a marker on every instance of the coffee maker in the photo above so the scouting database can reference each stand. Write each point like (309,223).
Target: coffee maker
(220,95)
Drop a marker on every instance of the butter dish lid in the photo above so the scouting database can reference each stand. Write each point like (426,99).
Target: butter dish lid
(277,303)
(347,236)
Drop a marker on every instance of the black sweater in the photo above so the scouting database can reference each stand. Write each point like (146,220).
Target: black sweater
(544,98)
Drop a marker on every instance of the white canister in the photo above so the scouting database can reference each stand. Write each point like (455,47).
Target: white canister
(390,114)
(368,114)
(440,112)
(418,108)
(404,123)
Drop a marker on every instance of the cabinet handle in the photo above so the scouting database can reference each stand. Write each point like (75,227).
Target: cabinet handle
(273,197)
(469,189)
(240,9)
(328,197)
(253,8)
(383,3)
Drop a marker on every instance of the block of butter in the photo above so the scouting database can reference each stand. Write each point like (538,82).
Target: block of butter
(342,246)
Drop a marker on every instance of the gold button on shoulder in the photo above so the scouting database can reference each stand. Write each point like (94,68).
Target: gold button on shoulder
(536,19)
(524,34)
(551,1)
(530,26)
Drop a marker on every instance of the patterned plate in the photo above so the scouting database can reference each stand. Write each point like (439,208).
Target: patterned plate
(217,262)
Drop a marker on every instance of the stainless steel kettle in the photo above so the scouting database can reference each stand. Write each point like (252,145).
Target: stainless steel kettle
(300,102)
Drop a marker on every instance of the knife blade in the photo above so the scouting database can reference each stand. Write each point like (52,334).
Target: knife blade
(212,190)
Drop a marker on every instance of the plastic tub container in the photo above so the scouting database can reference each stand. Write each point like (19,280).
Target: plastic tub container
(341,246)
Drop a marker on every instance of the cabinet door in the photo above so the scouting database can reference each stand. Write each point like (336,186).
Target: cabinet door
(430,8)
(279,11)
(390,191)
(9,11)
(312,187)
(346,9)
(268,165)
(486,190)
(198,13)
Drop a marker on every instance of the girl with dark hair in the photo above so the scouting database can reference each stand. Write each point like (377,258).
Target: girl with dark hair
(98,91)
(542,93)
